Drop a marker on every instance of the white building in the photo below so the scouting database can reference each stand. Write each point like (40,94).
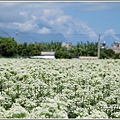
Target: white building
(67,45)
(103,44)
(116,47)
(45,55)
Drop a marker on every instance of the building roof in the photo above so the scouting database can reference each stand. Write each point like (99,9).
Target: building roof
(48,53)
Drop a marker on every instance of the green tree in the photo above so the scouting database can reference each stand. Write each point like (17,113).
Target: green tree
(92,49)
(103,54)
(62,54)
(117,56)
(107,53)
(110,53)
(8,47)
(73,52)
(23,49)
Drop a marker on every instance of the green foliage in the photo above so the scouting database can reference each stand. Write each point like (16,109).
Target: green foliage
(62,54)
(103,55)
(21,115)
(72,115)
(1,86)
(107,53)
(29,49)
(10,48)
(117,56)
(110,52)
(84,49)
(58,54)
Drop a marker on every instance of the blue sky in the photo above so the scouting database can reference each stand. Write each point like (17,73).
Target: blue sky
(76,21)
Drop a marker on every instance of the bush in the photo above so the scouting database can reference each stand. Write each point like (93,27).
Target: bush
(62,54)
(117,56)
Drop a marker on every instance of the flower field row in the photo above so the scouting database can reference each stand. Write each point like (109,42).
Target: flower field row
(59,88)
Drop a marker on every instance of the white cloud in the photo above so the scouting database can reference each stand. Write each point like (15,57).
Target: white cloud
(27,16)
(89,31)
(111,32)
(25,27)
(44,30)
(50,14)
(70,31)
(34,17)
(22,13)
(65,24)
(63,19)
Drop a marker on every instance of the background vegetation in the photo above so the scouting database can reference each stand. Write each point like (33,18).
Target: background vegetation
(10,48)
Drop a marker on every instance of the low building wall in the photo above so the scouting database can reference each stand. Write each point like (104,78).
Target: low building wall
(116,50)
(88,57)
(43,57)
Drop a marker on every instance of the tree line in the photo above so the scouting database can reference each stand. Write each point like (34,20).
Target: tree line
(10,48)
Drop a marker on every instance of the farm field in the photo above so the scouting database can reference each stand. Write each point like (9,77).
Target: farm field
(59,88)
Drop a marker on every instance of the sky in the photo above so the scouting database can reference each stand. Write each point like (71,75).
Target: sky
(75,21)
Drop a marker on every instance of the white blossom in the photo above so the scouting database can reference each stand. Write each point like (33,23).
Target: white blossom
(42,88)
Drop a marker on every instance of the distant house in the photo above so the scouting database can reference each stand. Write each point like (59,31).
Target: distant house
(45,55)
(67,45)
(116,47)
(103,45)
(116,44)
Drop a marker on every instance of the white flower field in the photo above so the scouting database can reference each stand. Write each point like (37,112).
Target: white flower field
(59,88)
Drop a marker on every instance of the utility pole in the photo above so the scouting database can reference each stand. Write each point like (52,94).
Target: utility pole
(99,46)
(17,42)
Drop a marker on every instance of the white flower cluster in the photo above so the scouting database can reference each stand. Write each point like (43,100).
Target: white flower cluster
(59,88)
